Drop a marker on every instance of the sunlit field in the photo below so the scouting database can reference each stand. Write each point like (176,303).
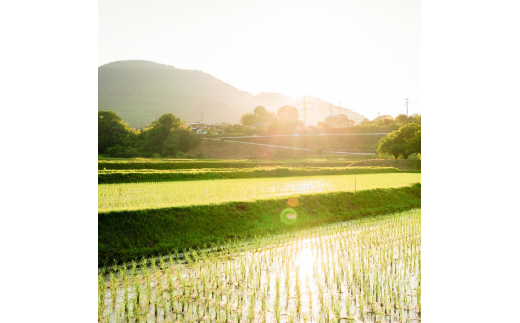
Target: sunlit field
(155,195)
(365,270)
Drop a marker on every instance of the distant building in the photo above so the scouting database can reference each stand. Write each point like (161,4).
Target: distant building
(197,126)
(215,126)
(339,121)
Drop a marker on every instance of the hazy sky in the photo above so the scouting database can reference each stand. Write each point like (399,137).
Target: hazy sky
(364,53)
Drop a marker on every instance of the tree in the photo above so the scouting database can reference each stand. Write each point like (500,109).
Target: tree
(416,118)
(271,117)
(187,139)
(390,145)
(402,118)
(261,112)
(415,143)
(402,142)
(166,136)
(152,138)
(228,128)
(113,131)
(171,145)
(248,119)
(287,114)
(179,140)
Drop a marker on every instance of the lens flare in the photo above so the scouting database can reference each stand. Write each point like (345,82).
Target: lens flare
(293,202)
(288,216)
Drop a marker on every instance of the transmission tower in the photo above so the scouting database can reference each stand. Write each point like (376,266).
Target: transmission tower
(330,108)
(304,110)
(406,103)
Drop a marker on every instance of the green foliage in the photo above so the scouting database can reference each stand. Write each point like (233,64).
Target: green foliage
(320,150)
(330,161)
(180,154)
(229,128)
(401,118)
(401,164)
(122,152)
(166,136)
(187,139)
(261,112)
(248,119)
(391,145)
(171,145)
(402,142)
(113,131)
(287,114)
(387,123)
(126,235)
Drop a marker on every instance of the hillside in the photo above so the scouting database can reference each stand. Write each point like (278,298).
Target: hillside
(140,91)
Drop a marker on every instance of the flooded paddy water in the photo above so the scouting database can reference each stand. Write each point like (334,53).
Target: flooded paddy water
(365,270)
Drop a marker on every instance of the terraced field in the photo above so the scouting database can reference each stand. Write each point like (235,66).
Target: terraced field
(249,241)
(155,195)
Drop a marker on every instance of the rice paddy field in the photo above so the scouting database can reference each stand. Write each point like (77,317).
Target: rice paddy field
(155,195)
(365,270)
(258,241)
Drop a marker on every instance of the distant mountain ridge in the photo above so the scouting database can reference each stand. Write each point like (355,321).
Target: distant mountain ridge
(140,91)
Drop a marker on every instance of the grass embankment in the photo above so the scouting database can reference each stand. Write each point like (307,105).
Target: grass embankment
(139,176)
(169,164)
(127,235)
(135,196)
(413,164)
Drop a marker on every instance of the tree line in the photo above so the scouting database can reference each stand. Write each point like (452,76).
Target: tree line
(403,142)
(284,121)
(168,136)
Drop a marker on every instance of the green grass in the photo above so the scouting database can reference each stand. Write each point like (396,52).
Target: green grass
(156,195)
(164,164)
(126,235)
(137,176)
(411,164)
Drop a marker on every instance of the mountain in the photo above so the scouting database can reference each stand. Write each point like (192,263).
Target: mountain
(247,94)
(140,91)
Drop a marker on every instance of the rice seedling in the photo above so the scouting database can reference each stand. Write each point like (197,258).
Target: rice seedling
(133,196)
(362,270)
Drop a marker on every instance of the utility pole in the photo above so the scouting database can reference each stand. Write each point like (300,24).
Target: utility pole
(406,107)
(202,118)
(379,113)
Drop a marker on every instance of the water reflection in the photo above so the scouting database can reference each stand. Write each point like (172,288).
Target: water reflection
(366,271)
